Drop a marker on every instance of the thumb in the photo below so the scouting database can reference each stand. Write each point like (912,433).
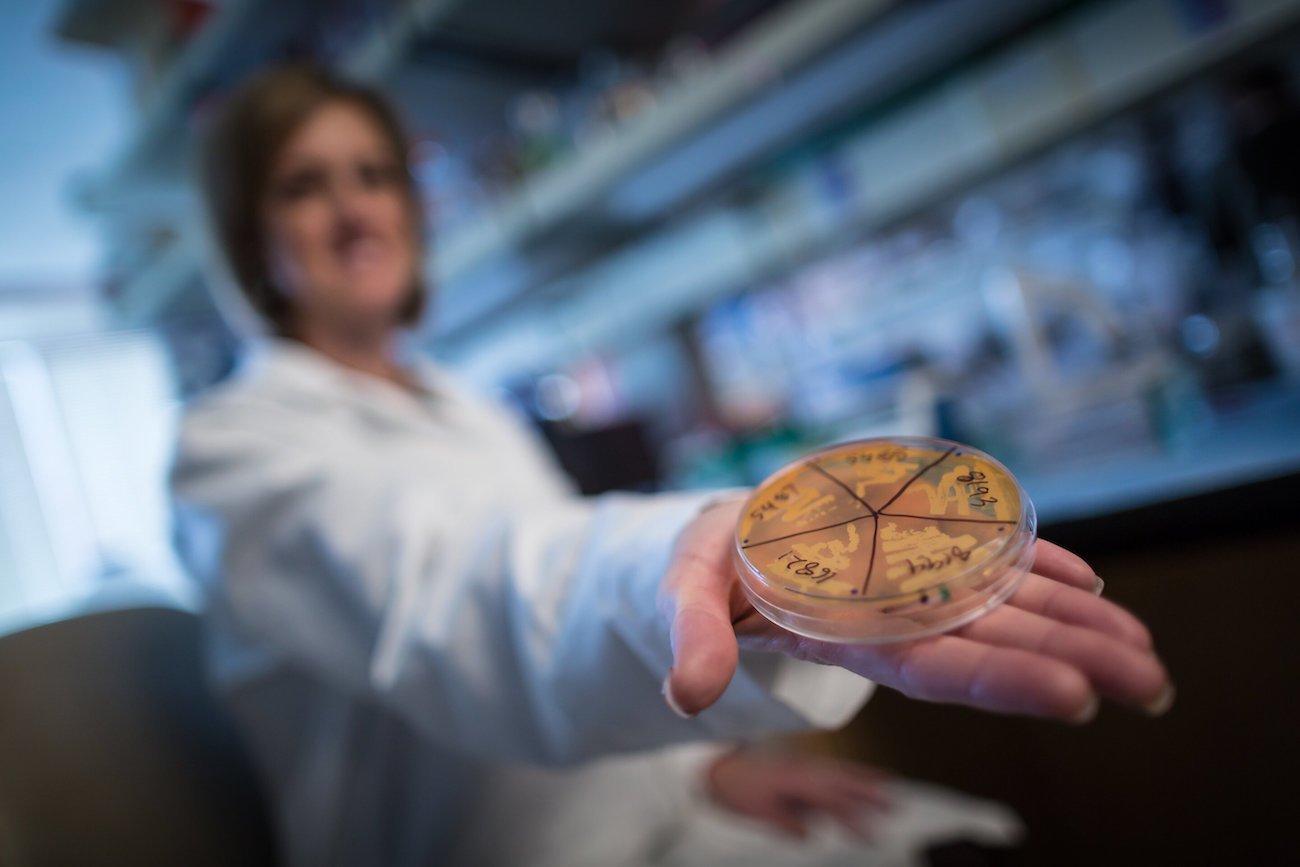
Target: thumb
(705,654)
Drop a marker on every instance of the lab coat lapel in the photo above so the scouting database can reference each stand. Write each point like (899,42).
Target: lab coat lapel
(302,374)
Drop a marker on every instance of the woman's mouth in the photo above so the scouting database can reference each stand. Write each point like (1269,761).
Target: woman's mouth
(359,252)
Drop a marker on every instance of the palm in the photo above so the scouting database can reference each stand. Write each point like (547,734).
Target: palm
(1050,651)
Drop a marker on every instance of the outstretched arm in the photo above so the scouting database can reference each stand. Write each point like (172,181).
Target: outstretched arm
(529,632)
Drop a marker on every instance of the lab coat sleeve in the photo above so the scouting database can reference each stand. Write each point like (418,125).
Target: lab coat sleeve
(528,633)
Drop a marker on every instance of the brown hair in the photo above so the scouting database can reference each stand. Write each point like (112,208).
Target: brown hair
(252,128)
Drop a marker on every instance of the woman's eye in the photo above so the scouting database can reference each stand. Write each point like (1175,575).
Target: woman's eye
(299,186)
(376,175)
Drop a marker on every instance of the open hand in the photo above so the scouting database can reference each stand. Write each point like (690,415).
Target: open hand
(1051,650)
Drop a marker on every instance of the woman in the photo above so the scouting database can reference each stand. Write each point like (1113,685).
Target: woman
(402,588)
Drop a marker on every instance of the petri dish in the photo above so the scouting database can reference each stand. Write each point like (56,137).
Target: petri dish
(883,540)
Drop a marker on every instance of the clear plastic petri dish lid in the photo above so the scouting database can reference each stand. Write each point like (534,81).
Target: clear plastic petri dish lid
(884,540)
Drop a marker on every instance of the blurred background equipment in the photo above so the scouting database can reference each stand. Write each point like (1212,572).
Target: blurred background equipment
(693,239)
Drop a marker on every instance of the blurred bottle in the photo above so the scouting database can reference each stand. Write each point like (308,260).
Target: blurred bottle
(1277,304)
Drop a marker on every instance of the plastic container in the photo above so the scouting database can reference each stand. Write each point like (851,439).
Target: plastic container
(884,540)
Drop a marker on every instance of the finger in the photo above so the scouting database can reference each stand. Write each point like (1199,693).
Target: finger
(1053,561)
(867,792)
(831,788)
(848,813)
(1067,604)
(868,775)
(860,783)
(957,670)
(790,818)
(705,654)
(1114,668)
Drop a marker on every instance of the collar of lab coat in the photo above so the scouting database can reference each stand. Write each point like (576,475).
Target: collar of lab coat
(305,373)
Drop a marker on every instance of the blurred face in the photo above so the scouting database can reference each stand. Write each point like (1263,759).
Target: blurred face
(341,238)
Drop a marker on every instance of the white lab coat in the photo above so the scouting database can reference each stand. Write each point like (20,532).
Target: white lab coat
(403,593)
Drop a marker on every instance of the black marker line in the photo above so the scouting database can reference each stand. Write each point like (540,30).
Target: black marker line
(871,564)
(944,518)
(923,471)
(842,485)
(805,532)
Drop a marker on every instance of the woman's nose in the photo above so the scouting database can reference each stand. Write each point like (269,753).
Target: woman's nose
(349,199)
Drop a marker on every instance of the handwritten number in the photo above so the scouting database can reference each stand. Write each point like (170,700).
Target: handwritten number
(808,569)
